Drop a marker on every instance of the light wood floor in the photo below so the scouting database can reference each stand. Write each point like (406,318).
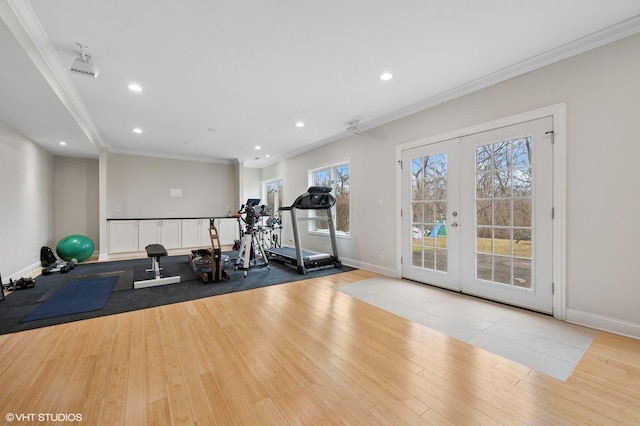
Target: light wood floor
(298,353)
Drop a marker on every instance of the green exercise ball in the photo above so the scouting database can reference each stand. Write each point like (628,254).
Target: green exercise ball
(77,247)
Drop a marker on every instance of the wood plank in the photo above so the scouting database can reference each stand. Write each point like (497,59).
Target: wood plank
(299,353)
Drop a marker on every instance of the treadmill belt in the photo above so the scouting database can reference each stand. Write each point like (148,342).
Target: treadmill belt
(290,252)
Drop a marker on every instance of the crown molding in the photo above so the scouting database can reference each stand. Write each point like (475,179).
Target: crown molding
(608,35)
(25,26)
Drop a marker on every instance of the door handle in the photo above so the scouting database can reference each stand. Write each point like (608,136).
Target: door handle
(454,224)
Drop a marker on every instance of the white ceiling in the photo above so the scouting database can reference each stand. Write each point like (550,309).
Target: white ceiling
(221,77)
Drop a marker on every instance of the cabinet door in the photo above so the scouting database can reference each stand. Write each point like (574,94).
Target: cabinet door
(149,233)
(123,236)
(191,232)
(228,230)
(171,233)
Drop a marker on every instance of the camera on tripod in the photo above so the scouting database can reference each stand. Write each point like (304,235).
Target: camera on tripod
(250,243)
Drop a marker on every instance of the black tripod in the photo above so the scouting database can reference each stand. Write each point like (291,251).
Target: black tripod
(250,241)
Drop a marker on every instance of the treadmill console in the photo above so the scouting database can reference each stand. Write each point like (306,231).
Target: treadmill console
(316,198)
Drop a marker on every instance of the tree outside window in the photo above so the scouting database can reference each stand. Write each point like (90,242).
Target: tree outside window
(336,177)
(273,196)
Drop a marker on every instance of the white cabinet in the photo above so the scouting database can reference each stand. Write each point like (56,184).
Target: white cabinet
(148,233)
(123,236)
(195,233)
(134,235)
(228,231)
(171,235)
(166,232)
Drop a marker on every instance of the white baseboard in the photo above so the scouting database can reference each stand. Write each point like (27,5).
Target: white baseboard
(390,272)
(27,271)
(612,325)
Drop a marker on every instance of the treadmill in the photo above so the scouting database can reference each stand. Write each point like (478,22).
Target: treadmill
(316,198)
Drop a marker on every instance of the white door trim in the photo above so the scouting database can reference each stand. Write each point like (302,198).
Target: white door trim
(558,112)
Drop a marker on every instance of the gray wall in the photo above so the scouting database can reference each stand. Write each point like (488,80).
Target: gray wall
(142,186)
(26,211)
(601,91)
(75,202)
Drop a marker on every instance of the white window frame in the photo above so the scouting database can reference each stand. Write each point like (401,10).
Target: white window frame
(332,182)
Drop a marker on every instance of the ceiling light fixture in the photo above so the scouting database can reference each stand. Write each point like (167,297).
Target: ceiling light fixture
(135,87)
(137,130)
(83,63)
(63,143)
(385,76)
(299,124)
(257,147)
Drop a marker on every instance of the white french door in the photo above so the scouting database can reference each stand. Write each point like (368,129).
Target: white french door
(431,238)
(479,214)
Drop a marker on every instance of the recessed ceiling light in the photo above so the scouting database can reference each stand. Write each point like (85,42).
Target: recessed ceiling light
(299,124)
(268,155)
(63,143)
(386,76)
(257,147)
(135,87)
(137,130)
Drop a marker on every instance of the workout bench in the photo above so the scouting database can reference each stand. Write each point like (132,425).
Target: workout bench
(155,252)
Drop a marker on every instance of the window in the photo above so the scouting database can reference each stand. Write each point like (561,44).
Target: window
(337,177)
(272,195)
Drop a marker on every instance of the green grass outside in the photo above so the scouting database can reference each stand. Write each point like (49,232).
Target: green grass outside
(501,246)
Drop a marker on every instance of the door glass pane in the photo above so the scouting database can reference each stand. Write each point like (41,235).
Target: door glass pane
(502,269)
(504,206)
(484,212)
(429,212)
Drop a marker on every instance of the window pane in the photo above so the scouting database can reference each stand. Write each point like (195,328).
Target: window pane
(483,158)
(502,212)
(279,185)
(441,260)
(322,178)
(522,212)
(429,212)
(342,192)
(501,184)
(484,267)
(320,223)
(416,214)
(522,152)
(521,181)
(440,189)
(502,269)
(483,213)
(484,185)
(501,155)
(484,242)
(522,273)
(273,197)
(522,243)
(338,179)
